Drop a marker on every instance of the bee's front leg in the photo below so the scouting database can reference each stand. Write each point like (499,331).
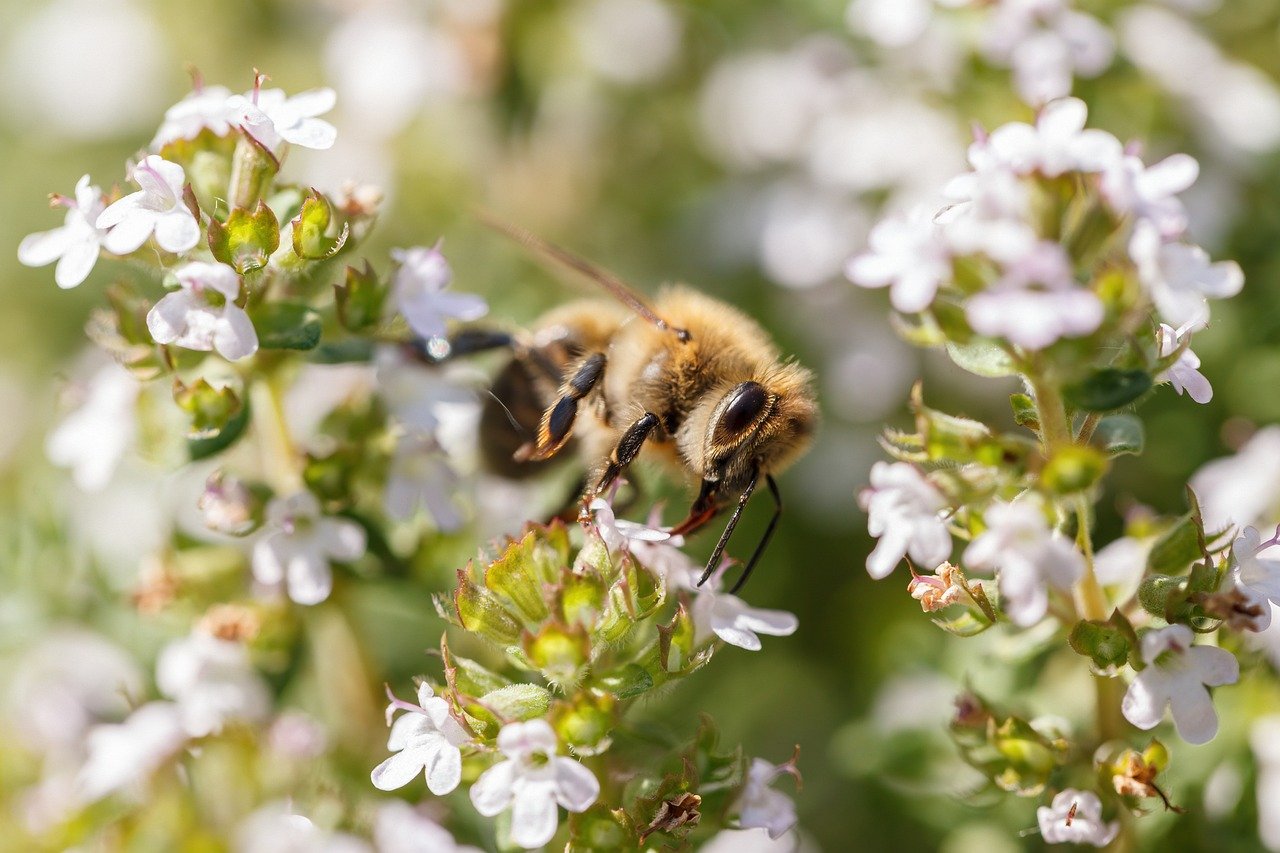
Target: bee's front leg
(625,451)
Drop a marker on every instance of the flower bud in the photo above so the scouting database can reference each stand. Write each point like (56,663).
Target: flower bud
(1073,468)
(229,505)
(558,653)
(586,723)
(360,299)
(516,576)
(247,239)
(311,227)
(211,409)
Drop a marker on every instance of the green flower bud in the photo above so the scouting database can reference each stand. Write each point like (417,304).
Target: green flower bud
(311,240)
(1073,468)
(246,240)
(211,409)
(585,723)
(558,653)
(360,299)
(516,575)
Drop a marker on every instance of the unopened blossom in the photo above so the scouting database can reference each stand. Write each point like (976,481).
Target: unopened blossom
(158,208)
(1029,556)
(420,476)
(761,806)
(299,545)
(1177,676)
(227,505)
(906,513)
(1150,193)
(1184,374)
(938,591)
(735,622)
(278,828)
(420,290)
(426,741)
(213,683)
(75,244)
(273,118)
(1075,817)
(1180,276)
(1244,488)
(531,781)
(908,255)
(1258,579)
(1057,144)
(93,439)
(203,107)
(202,314)
(401,828)
(1036,302)
(121,755)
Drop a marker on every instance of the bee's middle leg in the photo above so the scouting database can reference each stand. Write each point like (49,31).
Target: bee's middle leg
(557,420)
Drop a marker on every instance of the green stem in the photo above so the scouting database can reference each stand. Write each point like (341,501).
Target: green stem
(251,170)
(1087,426)
(280,459)
(1054,429)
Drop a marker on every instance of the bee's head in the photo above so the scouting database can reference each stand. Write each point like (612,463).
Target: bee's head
(761,424)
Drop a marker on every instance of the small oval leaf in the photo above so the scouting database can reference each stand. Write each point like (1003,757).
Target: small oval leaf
(1109,389)
(285,325)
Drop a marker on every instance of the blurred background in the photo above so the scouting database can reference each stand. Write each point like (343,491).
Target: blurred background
(743,146)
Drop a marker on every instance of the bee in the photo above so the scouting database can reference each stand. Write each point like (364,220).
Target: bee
(687,379)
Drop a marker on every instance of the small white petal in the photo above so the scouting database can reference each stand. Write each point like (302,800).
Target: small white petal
(1194,715)
(234,337)
(576,786)
(443,768)
(534,819)
(177,230)
(398,770)
(341,539)
(44,247)
(492,792)
(76,264)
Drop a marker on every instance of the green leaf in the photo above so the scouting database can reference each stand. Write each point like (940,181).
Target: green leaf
(208,445)
(1177,548)
(350,351)
(286,325)
(1025,412)
(1102,642)
(967,624)
(630,680)
(1108,389)
(1120,434)
(982,357)
(519,701)
(246,240)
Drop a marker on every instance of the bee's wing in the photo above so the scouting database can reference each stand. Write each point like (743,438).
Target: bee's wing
(620,290)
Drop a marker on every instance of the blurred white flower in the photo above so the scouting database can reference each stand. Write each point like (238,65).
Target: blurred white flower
(277,828)
(273,118)
(1184,374)
(226,504)
(736,622)
(628,41)
(1047,44)
(203,107)
(1120,565)
(297,736)
(762,807)
(299,545)
(1057,144)
(420,284)
(906,513)
(1256,578)
(908,255)
(122,755)
(400,828)
(1075,817)
(1036,302)
(889,23)
(202,314)
(1151,192)
(1028,554)
(531,781)
(93,439)
(1177,675)
(426,741)
(1241,489)
(1264,737)
(420,476)
(75,244)
(1180,276)
(213,682)
(157,208)
(806,235)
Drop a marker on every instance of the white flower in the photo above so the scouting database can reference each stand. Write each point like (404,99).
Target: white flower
(203,107)
(202,314)
(1257,578)
(74,245)
(1027,553)
(277,828)
(425,740)
(420,476)
(1151,192)
(620,535)
(400,828)
(273,118)
(907,254)
(905,512)
(762,807)
(531,781)
(1045,61)
(213,682)
(890,23)
(1076,818)
(1264,737)
(156,208)
(93,439)
(302,542)
(1120,565)
(420,284)
(1244,488)
(124,754)
(1176,675)
(654,547)
(1184,374)
(735,622)
(1036,302)
(1057,144)
(1179,276)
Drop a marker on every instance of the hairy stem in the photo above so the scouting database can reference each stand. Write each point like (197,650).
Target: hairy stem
(279,456)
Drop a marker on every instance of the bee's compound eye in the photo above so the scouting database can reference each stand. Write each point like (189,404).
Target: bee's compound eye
(749,400)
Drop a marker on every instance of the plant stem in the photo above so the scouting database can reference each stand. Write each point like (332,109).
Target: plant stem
(1087,427)
(1054,429)
(279,456)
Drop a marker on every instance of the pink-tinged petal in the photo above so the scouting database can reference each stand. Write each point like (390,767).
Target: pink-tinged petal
(309,578)
(421,314)
(443,768)
(1144,702)
(1197,386)
(426,693)
(931,545)
(159,177)
(312,102)
(120,210)
(131,233)
(177,231)
(311,133)
(167,319)
(87,195)
(1193,714)
(1175,638)
(398,770)
(341,539)
(521,739)
(269,556)
(914,291)
(44,247)
(462,306)
(870,270)
(1213,666)
(576,786)
(1063,117)
(534,818)
(492,792)
(1222,280)
(76,264)
(235,338)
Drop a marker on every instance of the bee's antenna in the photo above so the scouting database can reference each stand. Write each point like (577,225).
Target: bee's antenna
(610,282)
